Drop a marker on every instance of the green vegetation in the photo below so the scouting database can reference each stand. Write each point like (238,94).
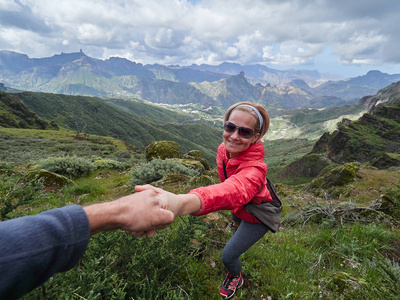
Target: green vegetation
(14,113)
(311,256)
(339,239)
(70,166)
(163,150)
(135,122)
(343,248)
(157,169)
(302,117)
(371,139)
(23,146)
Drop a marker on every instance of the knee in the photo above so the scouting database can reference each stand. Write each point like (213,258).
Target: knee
(228,257)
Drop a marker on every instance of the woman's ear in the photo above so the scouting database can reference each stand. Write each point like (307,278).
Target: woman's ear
(255,138)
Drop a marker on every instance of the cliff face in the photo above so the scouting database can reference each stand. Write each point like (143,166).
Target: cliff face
(388,96)
(373,139)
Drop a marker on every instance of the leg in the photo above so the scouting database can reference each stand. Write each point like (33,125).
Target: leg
(246,235)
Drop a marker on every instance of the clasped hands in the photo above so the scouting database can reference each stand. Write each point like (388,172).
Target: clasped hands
(178,204)
(141,213)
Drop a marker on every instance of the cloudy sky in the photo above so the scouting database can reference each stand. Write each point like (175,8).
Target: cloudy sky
(344,37)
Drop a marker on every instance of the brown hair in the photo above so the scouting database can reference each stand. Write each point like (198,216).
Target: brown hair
(262,111)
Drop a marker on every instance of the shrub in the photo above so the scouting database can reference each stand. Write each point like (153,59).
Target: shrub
(6,165)
(110,164)
(16,190)
(123,154)
(157,169)
(69,166)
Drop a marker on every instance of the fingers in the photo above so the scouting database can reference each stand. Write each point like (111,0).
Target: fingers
(138,233)
(146,187)
(164,218)
(154,193)
(150,233)
(145,212)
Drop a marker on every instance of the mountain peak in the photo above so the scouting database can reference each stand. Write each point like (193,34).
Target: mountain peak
(74,55)
(374,72)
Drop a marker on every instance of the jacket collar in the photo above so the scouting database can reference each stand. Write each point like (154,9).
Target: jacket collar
(253,153)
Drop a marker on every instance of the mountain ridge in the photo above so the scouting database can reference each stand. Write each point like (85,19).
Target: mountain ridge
(373,139)
(78,74)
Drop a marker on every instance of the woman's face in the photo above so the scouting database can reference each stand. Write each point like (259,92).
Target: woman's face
(233,142)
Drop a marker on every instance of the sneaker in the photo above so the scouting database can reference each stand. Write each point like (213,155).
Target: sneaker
(230,284)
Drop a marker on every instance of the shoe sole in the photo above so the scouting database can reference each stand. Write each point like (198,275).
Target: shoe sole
(228,297)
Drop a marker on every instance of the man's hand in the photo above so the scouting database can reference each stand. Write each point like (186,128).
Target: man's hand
(137,213)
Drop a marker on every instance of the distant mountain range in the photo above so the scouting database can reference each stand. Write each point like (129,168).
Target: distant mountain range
(222,85)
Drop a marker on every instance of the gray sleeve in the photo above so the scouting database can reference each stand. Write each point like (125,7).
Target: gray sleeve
(33,248)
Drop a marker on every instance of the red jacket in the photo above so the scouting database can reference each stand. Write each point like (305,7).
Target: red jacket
(246,183)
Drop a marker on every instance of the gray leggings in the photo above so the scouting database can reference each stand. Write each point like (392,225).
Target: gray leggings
(245,236)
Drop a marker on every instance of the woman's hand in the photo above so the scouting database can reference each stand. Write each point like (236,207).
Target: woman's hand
(169,200)
(181,204)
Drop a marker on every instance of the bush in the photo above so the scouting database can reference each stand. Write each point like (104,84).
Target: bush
(157,169)
(15,191)
(110,164)
(123,155)
(69,166)
(6,165)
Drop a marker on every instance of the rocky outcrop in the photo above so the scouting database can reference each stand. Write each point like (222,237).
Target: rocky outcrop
(374,139)
(163,150)
(170,150)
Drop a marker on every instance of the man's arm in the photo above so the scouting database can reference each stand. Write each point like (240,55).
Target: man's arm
(33,248)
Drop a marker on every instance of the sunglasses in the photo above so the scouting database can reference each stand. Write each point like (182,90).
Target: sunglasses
(244,132)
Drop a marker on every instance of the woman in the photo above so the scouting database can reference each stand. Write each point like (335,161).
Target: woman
(242,172)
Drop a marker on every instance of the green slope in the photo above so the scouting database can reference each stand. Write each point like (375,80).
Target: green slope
(15,114)
(131,124)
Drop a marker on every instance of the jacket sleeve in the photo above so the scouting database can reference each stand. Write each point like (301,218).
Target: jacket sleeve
(33,248)
(235,191)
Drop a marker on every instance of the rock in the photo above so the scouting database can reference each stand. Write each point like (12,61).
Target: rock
(49,178)
(191,163)
(197,155)
(203,180)
(309,165)
(162,150)
(334,182)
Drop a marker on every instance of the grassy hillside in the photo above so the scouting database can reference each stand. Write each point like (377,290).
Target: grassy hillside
(24,147)
(340,233)
(347,248)
(310,123)
(131,124)
(14,113)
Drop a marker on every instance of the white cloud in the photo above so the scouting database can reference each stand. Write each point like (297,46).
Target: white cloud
(285,33)
(9,5)
(232,52)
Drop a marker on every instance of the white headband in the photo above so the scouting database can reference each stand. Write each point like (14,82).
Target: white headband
(256,111)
